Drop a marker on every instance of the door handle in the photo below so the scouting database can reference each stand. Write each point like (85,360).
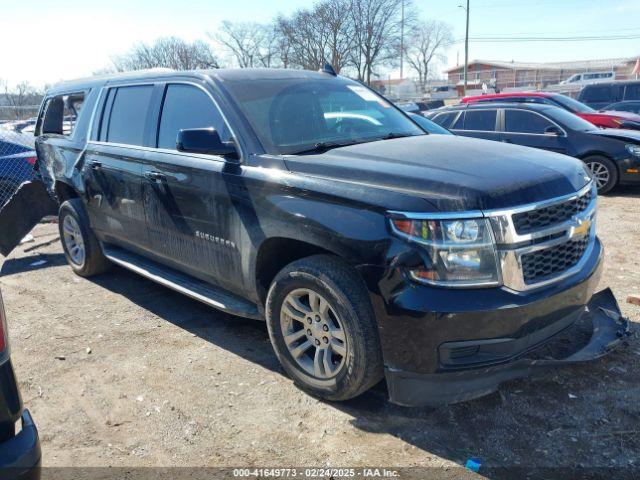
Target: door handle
(95,165)
(155,176)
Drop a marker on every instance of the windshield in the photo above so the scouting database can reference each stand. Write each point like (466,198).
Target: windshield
(290,115)
(569,120)
(572,105)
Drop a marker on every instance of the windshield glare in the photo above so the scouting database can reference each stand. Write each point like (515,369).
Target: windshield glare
(289,115)
(572,105)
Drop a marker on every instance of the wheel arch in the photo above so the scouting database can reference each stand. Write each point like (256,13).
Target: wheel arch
(277,252)
(599,153)
(64,191)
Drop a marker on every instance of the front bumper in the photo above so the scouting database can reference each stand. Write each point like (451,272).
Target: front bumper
(419,389)
(20,456)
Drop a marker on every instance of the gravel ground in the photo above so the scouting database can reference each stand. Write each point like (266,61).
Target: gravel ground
(118,371)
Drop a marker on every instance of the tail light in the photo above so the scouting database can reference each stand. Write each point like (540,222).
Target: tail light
(3,329)
(31,160)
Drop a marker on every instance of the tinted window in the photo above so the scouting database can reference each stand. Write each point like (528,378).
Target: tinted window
(632,92)
(597,94)
(521,121)
(483,120)
(128,115)
(445,119)
(185,107)
(429,125)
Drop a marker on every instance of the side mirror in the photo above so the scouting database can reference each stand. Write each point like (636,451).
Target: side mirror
(205,140)
(553,131)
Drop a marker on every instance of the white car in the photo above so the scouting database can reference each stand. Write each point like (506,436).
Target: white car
(589,77)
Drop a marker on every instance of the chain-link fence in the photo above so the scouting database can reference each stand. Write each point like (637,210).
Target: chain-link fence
(17,159)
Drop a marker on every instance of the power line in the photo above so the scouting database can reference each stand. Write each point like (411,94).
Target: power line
(505,39)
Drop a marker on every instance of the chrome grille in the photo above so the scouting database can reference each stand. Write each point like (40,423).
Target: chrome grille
(543,264)
(542,243)
(530,221)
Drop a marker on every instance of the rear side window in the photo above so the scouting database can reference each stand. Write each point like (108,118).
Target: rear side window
(185,107)
(597,94)
(61,113)
(126,123)
(482,120)
(445,119)
(521,121)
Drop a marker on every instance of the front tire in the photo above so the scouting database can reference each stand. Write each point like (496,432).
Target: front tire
(81,247)
(322,328)
(604,172)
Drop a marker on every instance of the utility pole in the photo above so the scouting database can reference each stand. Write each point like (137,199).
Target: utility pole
(401,38)
(466,52)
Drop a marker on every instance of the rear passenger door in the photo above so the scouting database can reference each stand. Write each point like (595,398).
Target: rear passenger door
(531,129)
(187,199)
(113,166)
(478,123)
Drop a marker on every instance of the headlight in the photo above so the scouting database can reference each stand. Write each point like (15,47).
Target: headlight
(461,253)
(633,149)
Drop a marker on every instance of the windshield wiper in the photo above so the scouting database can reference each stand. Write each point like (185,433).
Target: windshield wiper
(392,135)
(322,147)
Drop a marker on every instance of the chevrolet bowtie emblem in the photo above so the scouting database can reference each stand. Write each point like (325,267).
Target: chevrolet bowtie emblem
(581,229)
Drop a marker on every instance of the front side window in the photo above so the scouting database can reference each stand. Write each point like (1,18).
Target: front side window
(126,123)
(445,119)
(184,107)
(521,121)
(292,115)
(480,120)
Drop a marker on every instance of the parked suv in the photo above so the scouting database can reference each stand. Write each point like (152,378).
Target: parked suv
(612,155)
(19,443)
(602,94)
(371,248)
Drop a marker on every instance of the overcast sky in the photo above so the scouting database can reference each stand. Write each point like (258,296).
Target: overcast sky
(44,41)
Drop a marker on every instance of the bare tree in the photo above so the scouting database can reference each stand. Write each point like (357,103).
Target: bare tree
(251,44)
(22,100)
(428,42)
(376,27)
(339,29)
(169,52)
(321,34)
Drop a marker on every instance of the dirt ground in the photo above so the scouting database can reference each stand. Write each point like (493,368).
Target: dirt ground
(118,371)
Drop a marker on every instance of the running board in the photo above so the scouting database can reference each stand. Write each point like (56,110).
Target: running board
(183,283)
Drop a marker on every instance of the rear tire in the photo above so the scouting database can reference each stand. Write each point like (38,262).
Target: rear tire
(604,172)
(81,247)
(332,348)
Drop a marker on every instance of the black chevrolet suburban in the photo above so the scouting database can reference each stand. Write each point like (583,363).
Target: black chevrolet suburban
(372,249)
(20,455)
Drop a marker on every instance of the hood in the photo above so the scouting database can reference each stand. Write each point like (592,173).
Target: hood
(618,133)
(453,173)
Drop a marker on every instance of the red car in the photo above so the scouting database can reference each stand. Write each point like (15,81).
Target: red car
(604,119)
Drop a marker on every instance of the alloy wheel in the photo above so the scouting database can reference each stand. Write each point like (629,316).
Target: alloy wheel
(600,173)
(73,240)
(313,333)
